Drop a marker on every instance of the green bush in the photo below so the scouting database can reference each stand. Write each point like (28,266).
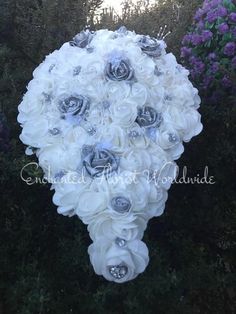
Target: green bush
(209,51)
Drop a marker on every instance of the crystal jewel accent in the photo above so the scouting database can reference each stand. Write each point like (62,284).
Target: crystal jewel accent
(77,70)
(173,138)
(47,97)
(120,242)
(157,71)
(118,271)
(54,131)
(133,134)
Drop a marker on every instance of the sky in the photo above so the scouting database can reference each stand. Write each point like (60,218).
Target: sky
(116,4)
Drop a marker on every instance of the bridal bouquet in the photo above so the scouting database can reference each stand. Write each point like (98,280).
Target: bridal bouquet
(107,115)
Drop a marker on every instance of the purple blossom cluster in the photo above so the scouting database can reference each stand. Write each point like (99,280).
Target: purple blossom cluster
(209,49)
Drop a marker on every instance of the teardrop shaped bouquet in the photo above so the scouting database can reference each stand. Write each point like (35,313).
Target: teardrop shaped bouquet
(107,115)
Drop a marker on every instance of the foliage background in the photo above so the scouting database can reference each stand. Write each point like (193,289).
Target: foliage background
(44,266)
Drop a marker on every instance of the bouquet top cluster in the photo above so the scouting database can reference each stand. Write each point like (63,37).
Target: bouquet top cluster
(209,49)
(107,115)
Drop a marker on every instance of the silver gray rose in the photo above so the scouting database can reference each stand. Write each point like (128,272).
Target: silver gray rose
(148,117)
(119,70)
(150,46)
(121,204)
(74,105)
(98,162)
(82,39)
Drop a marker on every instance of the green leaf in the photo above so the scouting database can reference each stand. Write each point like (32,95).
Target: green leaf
(232,7)
(222,43)
(208,44)
(209,25)
(226,3)
(224,61)
(227,37)
(219,20)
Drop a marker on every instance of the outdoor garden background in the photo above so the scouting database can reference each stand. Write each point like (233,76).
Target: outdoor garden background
(44,265)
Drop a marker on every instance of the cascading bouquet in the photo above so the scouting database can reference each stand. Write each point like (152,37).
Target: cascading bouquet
(107,115)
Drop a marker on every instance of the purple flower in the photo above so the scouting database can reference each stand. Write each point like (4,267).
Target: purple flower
(221,12)
(215,67)
(223,28)
(200,12)
(199,67)
(200,25)
(229,49)
(212,56)
(196,39)
(232,17)
(187,39)
(193,60)
(207,81)
(206,35)
(226,82)
(233,62)
(185,52)
(211,16)
(208,5)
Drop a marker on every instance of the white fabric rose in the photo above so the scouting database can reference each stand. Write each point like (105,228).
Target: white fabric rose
(106,216)
(137,138)
(76,136)
(170,141)
(158,198)
(139,94)
(93,201)
(35,132)
(111,224)
(116,135)
(186,122)
(92,69)
(163,170)
(144,70)
(124,113)
(135,160)
(116,92)
(35,101)
(133,186)
(56,159)
(183,94)
(67,192)
(118,263)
